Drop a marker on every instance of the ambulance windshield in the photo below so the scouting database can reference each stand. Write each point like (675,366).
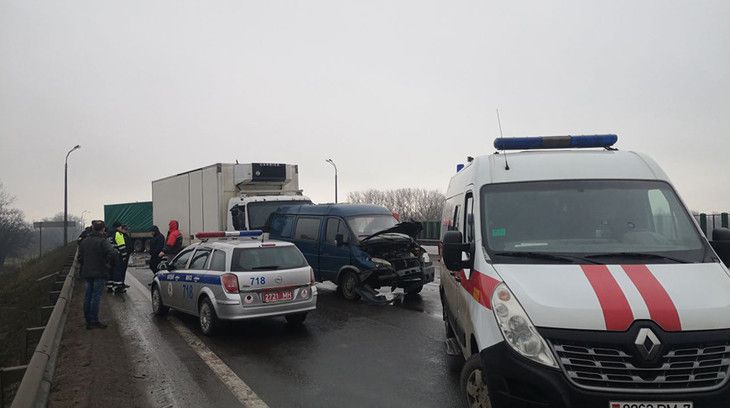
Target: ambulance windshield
(588,217)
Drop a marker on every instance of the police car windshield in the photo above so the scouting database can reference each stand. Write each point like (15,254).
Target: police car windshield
(601,219)
(365,225)
(259,212)
(272,258)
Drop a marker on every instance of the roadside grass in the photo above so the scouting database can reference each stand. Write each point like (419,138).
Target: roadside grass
(21,296)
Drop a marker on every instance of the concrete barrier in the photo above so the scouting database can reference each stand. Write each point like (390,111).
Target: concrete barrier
(36,385)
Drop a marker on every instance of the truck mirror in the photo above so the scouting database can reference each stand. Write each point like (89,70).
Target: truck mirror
(454,251)
(340,240)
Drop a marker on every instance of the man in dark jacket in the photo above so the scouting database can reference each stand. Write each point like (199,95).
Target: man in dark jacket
(96,257)
(157,244)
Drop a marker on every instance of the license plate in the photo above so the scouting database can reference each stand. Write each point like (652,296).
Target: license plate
(281,296)
(651,404)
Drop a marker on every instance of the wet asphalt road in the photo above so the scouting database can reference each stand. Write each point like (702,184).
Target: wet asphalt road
(348,354)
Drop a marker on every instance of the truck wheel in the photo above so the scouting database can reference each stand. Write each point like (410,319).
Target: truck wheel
(414,290)
(209,322)
(347,285)
(296,319)
(158,307)
(473,384)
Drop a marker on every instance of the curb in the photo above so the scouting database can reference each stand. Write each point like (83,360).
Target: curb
(36,385)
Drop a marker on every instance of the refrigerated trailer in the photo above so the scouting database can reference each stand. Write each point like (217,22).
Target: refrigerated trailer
(225,196)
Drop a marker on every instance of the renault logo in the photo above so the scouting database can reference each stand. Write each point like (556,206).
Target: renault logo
(648,344)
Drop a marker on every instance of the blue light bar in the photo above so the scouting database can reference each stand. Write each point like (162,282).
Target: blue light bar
(250,233)
(554,142)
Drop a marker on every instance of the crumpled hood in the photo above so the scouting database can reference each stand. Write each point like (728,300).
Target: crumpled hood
(410,228)
(678,297)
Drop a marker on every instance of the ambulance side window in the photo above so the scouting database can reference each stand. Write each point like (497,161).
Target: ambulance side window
(469,218)
(456,225)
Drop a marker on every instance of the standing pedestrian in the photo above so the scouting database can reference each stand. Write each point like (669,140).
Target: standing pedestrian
(157,244)
(120,268)
(173,243)
(96,255)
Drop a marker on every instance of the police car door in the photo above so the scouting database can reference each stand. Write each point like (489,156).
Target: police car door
(190,284)
(171,287)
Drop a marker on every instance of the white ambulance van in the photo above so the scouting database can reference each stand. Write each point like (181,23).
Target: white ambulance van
(573,275)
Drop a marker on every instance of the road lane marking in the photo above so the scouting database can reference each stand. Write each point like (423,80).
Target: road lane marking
(234,383)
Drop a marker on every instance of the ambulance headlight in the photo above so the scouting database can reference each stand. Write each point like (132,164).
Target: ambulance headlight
(517,329)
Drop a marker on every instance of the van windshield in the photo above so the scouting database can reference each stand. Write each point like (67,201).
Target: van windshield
(267,258)
(365,225)
(259,211)
(602,220)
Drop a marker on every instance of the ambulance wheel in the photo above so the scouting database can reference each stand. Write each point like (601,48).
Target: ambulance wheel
(414,290)
(348,283)
(296,319)
(472,383)
(209,322)
(158,307)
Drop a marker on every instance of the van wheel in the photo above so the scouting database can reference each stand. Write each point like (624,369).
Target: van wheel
(472,383)
(296,319)
(413,290)
(209,322)
(158,307)
(348,283)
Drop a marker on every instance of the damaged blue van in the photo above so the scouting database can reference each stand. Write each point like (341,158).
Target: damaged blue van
(359,247)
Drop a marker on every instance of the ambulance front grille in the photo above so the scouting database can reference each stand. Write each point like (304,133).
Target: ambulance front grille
(681,368)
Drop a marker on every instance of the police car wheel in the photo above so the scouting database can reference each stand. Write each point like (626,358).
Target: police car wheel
(473,387)
(295,319)
(348,283)
(207,318)
(158,307)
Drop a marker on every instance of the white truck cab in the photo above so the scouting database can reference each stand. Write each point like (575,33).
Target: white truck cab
(573,275)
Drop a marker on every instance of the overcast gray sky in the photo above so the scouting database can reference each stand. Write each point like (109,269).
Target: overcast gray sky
(396,92)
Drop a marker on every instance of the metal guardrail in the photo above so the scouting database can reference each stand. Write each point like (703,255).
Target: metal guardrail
(36,384)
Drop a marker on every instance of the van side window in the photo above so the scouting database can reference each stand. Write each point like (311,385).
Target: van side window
(218,262)
(282,225)
(455,224)
(307,229)
(334,227)
(469,218)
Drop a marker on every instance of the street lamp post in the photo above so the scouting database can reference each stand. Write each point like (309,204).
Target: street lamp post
(65,195)
(335,166)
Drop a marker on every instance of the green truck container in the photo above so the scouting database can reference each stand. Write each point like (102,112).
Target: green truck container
(137,216)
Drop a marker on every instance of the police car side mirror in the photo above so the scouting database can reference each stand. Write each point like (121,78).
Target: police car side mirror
(163,266)
(453,249)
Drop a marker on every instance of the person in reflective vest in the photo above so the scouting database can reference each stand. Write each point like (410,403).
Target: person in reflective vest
(120,268)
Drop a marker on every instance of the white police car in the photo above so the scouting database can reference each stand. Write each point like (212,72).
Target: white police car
(236,277)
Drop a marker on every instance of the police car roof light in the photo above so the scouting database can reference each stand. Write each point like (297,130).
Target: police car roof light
(223,234)
(555,142)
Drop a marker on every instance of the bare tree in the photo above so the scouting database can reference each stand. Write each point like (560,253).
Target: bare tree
(15,233)
(418,204)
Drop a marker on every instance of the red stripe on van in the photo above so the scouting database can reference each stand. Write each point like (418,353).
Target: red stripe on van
(661,308)
(479,286)
(616,310)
